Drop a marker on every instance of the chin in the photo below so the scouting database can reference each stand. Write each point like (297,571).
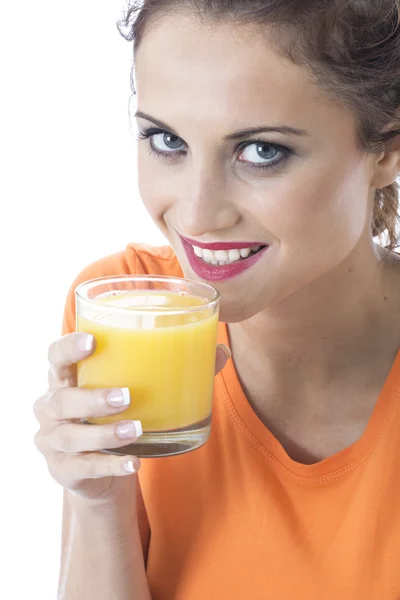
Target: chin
(234,313)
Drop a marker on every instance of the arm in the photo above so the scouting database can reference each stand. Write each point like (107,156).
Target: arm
(102,557)
(103,552)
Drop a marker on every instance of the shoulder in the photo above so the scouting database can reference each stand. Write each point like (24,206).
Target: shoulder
(155,260)
(135,259)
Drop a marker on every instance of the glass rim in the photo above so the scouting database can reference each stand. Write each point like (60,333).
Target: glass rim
(87,285)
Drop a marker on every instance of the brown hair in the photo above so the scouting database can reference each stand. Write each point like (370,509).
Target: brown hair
(352,48)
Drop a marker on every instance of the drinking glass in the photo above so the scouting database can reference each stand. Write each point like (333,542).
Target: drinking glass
(156,336)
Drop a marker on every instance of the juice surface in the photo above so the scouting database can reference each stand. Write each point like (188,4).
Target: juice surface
(167,361)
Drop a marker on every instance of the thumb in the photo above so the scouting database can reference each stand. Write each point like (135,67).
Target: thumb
(223,355)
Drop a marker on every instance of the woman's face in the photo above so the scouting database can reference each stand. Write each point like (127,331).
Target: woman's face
(306,194)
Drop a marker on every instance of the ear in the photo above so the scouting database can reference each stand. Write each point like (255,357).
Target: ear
(387,166)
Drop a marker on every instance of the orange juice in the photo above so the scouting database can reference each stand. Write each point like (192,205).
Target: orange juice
(166,360)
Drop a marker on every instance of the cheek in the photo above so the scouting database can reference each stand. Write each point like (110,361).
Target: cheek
(328,205)
(153,188)
(317,220)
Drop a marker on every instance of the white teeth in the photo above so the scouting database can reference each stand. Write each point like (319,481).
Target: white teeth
(198,251)
(234,255)
(223,257)
(209,254)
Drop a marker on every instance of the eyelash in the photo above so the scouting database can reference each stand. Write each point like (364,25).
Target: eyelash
(148,133)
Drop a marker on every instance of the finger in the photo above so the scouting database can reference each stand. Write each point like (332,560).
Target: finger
(63,355)
(73,437)
(69,349)
(223,355)
(94,465)
(70,471)
(62,377)
(38,408)
(81,403)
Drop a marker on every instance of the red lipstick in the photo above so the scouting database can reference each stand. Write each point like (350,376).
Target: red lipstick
(211,272)
(222,246)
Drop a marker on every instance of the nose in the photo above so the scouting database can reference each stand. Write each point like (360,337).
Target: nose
(206,205)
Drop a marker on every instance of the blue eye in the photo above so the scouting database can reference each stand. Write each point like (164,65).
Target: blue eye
(158,137)
(169,140)
(260,153)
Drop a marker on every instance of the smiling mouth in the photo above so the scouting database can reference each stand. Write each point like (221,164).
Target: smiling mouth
(219,262)
(225,257)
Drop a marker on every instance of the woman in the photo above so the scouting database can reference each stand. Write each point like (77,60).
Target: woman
(272,125)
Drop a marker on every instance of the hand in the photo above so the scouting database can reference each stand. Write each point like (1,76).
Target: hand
(70,447)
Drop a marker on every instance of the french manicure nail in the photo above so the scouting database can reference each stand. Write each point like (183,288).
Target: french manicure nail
(119,397)
(129,466)
(85,343)
(129,429)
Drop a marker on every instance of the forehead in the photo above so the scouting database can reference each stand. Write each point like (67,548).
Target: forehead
(188,69)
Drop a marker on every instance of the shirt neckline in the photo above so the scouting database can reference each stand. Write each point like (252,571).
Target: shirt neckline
(263,441)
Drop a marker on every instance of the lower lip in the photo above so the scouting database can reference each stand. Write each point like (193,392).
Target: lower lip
(221,272)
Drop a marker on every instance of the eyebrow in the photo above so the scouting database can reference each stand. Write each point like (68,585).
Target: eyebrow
(232,136)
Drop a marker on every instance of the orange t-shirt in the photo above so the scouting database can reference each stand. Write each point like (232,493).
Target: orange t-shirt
(239,519)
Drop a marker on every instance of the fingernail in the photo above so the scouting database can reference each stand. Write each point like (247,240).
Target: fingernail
(129,429)
(130,467)
(85,343)
(226,351)
(119,397)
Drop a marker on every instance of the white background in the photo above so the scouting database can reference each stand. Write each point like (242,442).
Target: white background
(68,196)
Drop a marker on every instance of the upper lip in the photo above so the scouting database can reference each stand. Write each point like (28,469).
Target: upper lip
(222,245)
